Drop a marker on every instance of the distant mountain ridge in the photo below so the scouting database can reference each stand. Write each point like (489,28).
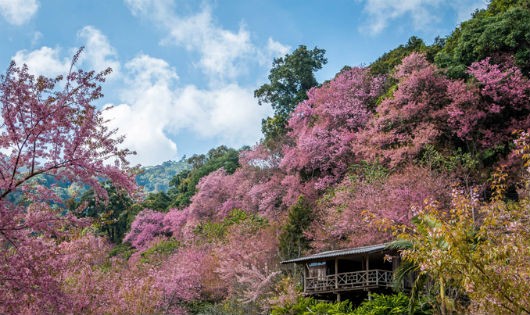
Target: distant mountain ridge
(156,178)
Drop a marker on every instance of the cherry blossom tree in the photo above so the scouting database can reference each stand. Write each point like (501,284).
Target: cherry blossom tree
(359,210)
(486,112)
(179,278)
(415,115)
(324,125)
(48,126)
(146,226)
(248,262)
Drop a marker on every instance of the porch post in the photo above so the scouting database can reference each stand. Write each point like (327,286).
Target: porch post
(336,273)
(367,265)
(305,277)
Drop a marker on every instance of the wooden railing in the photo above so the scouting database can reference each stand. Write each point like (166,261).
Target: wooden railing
(346,281)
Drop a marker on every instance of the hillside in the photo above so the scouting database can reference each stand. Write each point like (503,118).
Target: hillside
(427,148)
(156,178)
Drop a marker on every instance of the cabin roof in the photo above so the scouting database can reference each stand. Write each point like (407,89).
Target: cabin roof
(339,253)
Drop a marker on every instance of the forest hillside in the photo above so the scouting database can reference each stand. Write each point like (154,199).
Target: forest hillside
(426,148)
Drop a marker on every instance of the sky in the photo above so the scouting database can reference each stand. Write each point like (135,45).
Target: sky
(184,72)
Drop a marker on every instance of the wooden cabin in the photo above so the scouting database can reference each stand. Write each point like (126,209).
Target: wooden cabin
(354,271)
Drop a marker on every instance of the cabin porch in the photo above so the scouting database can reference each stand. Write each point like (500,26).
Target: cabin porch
(360,269)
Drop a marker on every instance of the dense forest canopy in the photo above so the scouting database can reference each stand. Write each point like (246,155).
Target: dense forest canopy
(427,147)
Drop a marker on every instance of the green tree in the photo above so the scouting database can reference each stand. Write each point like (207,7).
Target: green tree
(499,6)
(159,201)
(389,60)
(290,78)
(292,239)
(504,28)
(111,217)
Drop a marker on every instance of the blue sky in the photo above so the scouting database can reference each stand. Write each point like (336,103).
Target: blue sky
(185,71)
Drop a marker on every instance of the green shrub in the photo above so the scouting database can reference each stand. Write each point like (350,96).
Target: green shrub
(162,248)
(123,250)
(212,231)
(310,306)
(379,304)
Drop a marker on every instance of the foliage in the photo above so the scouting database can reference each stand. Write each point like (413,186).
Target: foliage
(428,109)
(146,227)
(111,216)
(360,209)
(217,231)
(378,304)
(479,249)
(505,29)
(250,275)
(499,6)
(290,78)
(490,110)
(161,248)
(381,304)
(180,278)
(412,118)
(159,201)
(293,242)
(123,250)
(389,60)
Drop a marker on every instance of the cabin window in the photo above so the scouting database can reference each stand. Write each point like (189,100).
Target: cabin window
(317,270)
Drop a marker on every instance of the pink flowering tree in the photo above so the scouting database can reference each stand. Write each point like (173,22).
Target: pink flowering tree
(324,126)
(414,116)
(48,126)
(360,210)
(180,278)
(248,263)
(147,225)
(486,112)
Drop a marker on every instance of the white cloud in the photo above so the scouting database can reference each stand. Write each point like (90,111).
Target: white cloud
(230,113)
(224,54)
(144,134)
(421,12)
(18,12)
(277,48)
(155,109)
(43,61)
(99,54)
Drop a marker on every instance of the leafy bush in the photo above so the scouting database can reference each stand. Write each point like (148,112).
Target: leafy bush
(379,304)
(382,304)
(310,306)
(124,250)
(162,248)
(212,231)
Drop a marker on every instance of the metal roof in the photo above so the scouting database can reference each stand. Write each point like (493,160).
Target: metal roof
(338,253)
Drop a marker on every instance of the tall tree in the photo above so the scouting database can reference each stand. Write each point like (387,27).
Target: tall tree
(49,126)
(293,242)
(290,78)
(111,215)
(323,127)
